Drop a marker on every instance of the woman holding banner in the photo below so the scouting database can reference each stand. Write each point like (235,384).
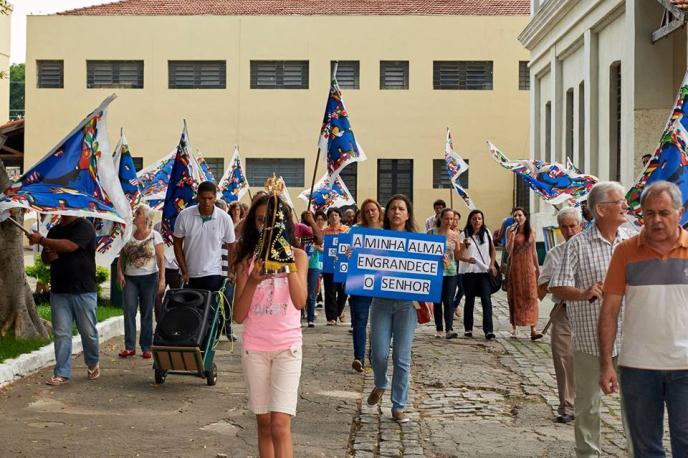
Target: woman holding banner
(371,217)
(393,321)
(449,277)
(335,297)
(478,245)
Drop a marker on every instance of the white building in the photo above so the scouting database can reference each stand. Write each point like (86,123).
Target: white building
(603,77)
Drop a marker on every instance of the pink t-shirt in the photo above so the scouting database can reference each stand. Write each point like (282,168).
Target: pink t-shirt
(273,323)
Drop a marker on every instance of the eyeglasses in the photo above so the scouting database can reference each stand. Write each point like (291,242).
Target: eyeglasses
(615,202)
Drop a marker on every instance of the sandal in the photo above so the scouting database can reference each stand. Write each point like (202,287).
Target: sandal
(93,373)
(57,380)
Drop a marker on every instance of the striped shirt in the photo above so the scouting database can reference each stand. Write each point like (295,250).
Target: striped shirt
(655,289)
(585,261)
(552,261)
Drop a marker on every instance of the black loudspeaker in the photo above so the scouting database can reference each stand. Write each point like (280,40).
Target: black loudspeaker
(184,318)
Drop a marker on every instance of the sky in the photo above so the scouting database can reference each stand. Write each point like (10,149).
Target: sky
(22,8)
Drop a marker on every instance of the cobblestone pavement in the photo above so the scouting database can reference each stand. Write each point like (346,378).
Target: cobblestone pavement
(471,397)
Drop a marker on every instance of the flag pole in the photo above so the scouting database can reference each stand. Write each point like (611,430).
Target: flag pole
(23,229)
(315,171)
(451,198)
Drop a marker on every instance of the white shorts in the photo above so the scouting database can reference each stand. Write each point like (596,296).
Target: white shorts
(272,379)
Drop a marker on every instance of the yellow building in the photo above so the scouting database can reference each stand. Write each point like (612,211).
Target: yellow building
(260,79)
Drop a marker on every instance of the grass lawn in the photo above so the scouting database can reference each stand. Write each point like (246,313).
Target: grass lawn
(11,348)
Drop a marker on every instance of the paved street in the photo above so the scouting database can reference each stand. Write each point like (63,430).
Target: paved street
(469,397)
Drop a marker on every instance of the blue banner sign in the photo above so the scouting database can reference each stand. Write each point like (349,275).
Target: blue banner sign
(329,257)
(341,264)
(395,265)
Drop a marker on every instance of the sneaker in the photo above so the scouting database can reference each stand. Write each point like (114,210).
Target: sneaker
(319,305)
(468,334)
(331,323)
(564,419)
(146,355)
(311,324)
(357,365)
(490,336)
(375,396)
(452,335)
(400,416)
(439,334)
(127,353)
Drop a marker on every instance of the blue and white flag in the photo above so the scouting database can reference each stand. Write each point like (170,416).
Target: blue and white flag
(328,192)
(77,177)
(181,191)
(233,184)
(336,136)
(206,174)
(455,167)
(154,178)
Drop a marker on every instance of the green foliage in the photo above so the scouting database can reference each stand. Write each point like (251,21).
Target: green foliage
(11,347)
(17,86)
(39,271)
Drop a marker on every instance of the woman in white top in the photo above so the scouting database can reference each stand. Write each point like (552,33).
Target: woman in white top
(141,274)
(479,247)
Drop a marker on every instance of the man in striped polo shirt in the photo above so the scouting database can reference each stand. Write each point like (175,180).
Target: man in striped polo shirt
(650,271)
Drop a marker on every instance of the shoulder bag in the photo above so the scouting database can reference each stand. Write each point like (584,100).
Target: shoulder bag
(495,280)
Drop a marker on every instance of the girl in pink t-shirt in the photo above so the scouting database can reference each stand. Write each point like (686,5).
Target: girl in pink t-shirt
(270,309)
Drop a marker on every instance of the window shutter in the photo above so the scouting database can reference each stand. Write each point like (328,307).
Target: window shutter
(394,75)
(348,72)
(259,170)
(201,74)
(464,75)
(114,74)
(394,176)
(50,73)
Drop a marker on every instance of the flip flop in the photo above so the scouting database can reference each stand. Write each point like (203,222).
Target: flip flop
(94,373)
(56,380)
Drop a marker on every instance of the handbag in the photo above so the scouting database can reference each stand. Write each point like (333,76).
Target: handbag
(495,280)
(424,311)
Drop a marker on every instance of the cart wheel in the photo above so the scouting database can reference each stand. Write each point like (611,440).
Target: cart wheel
(211,377)
(160,376)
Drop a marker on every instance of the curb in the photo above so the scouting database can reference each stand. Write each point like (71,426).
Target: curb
(14,369)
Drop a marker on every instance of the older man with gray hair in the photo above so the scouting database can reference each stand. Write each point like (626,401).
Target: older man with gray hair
(578,280)
(650,271)
(570,224)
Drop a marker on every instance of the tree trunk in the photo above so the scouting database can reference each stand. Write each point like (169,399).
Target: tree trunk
(17,308)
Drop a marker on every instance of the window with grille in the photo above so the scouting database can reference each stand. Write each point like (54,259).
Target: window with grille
(259,170)
(279,74)
(464,75)
(216,166)
(347,73)
(440,176)
(394,176)
(114,74)
(394,74)
(197,74)
(523,76)
(350,176)
(50,74)
(138,163)
(522,197)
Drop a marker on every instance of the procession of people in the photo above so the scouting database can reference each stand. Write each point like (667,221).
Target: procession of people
(590,276)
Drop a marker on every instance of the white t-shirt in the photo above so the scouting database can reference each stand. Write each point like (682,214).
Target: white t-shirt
(475,250)
(203,240)
(139,255)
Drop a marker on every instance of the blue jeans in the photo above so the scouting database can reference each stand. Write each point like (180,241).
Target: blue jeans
(477,284)
(67,308)
(644,394)
(139,293)
(360,308)
(392,319)
(313,276)
(447,299)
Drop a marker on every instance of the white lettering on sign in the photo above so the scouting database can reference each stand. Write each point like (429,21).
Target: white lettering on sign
(426,247)
(388,263)
(378,242)
(405,285)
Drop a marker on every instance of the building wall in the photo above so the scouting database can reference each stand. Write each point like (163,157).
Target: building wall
(577,41)
(285,123)
(5,67)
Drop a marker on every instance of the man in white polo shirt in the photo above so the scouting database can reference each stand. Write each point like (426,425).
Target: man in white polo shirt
(199,235)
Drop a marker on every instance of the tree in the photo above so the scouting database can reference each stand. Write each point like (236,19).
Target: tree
(16,91)
(17,308)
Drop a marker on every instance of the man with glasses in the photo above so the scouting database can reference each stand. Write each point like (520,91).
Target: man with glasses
(578,281)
